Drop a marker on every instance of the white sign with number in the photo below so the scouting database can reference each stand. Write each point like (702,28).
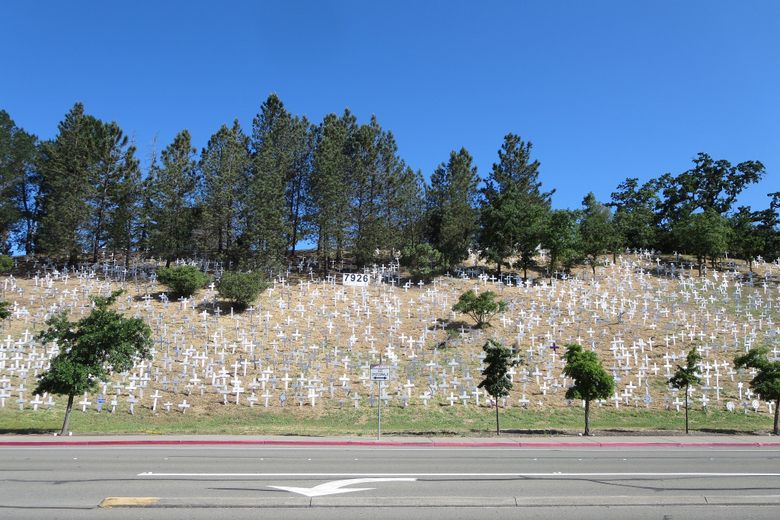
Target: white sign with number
(380,373)
(355,279)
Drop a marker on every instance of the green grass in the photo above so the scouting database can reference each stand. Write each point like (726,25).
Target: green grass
(434,420)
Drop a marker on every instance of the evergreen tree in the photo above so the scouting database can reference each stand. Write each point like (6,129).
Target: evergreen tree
(561,239)
(18,153)
(66,165)
(224,166)
(329,200)
(686,376)
(498,361)
(272,162)
(299,180)
(596,231)
(114,170)
(591,381)
(514,209)
(172,186)
(452,212)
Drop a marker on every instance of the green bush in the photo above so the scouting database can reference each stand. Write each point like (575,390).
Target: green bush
(241,288)
(5,310)
(6,264)
(182,280)
(481,308)
(423,261)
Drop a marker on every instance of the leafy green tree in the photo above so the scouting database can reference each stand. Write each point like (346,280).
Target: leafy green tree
(705,235)
(685,376)
(452,211)
(224,165)
(748,241)
(422,260)
(709,185)
(498,361)
(481,308)
(183,280)
(18,183)
(91,349)
(172,186)
(766,382)
(597,232)
(634,217)
(241,288)
(514,209)
(591,381)
(561,239)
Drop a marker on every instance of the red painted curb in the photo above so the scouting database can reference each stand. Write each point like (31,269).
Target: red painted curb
(410,444)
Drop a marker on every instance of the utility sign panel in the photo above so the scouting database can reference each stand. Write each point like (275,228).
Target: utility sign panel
(380,373)
(355,279)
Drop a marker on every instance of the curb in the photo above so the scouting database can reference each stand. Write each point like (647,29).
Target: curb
(410,444)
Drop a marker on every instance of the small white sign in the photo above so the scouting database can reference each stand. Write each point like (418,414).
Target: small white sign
(355,279)
(380,373)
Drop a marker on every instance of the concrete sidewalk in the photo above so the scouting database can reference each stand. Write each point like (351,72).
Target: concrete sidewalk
(505,441)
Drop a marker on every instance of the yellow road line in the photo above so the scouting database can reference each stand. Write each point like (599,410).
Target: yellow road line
(129,502)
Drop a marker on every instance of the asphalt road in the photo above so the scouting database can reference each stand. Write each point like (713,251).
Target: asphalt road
(388,482)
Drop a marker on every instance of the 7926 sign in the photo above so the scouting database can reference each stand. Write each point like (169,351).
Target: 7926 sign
(355,279)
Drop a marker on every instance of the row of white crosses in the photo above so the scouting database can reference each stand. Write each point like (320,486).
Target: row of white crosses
(285,350)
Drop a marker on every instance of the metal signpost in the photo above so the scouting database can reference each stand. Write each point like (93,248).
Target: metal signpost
(379,373)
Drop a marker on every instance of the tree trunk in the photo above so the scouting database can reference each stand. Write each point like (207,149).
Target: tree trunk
(587,417)
(777,409)
(686,410)
(498,431)
(67,415)
(593,268)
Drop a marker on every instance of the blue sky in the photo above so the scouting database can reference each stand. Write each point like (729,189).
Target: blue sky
(604,89)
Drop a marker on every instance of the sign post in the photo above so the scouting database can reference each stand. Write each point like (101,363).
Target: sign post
(379,373)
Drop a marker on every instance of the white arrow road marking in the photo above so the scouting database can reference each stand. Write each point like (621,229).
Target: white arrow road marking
(332,488)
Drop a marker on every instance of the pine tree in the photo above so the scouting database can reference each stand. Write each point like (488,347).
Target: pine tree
(18,153)
(452,213)
(272,160)
(498,361)
(113,168)
(224,166)
(329,194)
(172,186)
(66,165)
(596,230)
(685,376)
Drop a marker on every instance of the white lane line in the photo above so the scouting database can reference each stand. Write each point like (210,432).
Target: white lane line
(672,449)
(413,475)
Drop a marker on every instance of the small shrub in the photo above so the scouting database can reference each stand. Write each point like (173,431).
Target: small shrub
(182,280)
(241,288)
(481,308)
(6,264)
(423,261)
(5,310)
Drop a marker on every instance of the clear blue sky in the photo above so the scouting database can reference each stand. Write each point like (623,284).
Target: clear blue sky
(604,89)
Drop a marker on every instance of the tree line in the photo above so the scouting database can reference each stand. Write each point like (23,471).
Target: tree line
(249,198)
